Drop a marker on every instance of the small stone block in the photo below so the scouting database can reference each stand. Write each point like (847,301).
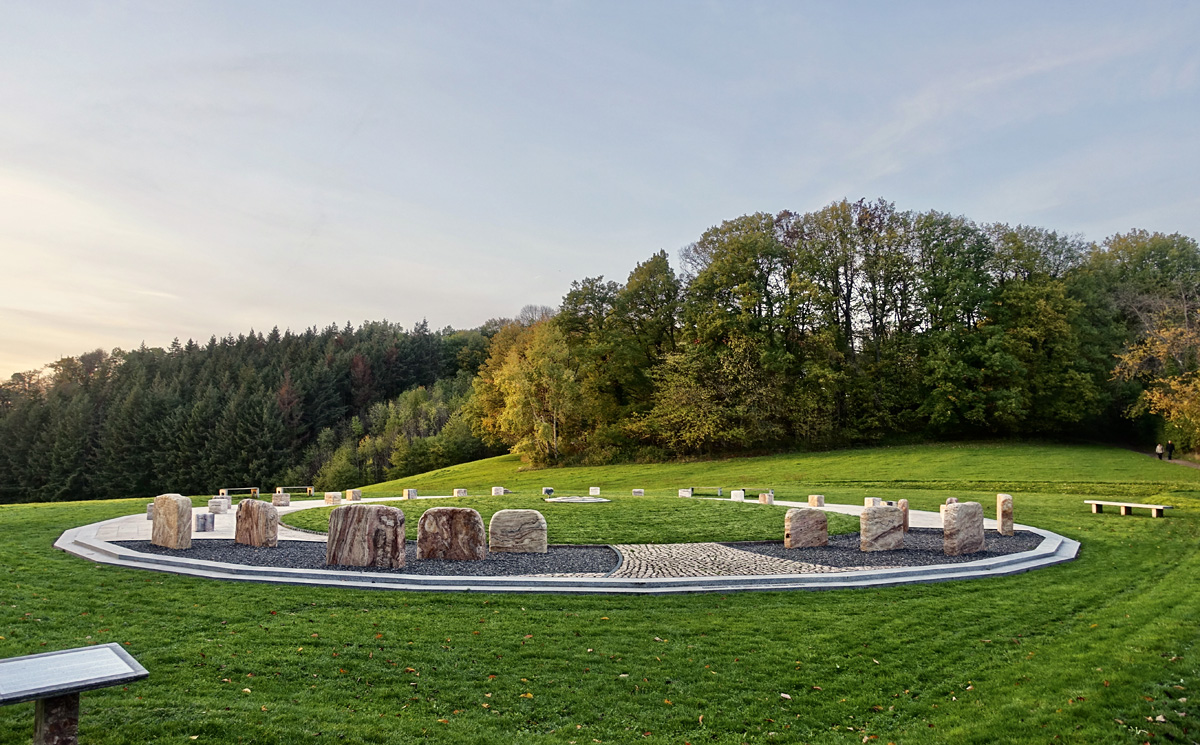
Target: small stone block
(685,492)
(257,524)
(150,511)
(816,500)
(517,532)
(497,491)
(639,492)
(593,491)
(903,505)
(1097,509)
(881,529)
(222,492)
(872,502)
(962,528)
(547,491)
(218,506)
(804,527)
(281,500)
(1004,514)
(409,494)
(451,533)
(1126,509)
(366,535)
(951,500)
(333,497)
(172,526)
(738,495)
(766,499)
(354,495)
(202,521)
(460,492)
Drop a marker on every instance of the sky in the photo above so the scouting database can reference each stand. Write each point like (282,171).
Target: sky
(174,169)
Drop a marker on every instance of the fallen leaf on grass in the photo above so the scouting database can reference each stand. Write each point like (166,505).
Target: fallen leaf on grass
(784,695)
(245,690)
(667,701)
(526,695)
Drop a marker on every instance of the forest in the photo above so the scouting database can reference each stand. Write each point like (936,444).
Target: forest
(856,323)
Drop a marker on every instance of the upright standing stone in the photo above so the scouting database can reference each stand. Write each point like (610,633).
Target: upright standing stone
(497,491)
(872,502)
(279,499)
(816,500)
(766,499)
(257,524)
(517,532)
(738,495)
(172,526)
(903,505)
(962,528)
(409,494)
(639,492)
(218,506)
(454,533)
(1004,514)
(333,497)
(685,492)
(804,527)
(547,491)
(150,511)
(460,492)
(366,535)
(354,495)
(593,491)
(881,529)
(951,500)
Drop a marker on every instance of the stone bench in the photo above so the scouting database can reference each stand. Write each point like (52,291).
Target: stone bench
(1156,510)
(54,681)
(251,490)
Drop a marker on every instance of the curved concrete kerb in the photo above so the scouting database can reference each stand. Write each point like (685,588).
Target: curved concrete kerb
(95,542)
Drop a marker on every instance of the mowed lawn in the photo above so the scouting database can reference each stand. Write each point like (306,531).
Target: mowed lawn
(1099,650)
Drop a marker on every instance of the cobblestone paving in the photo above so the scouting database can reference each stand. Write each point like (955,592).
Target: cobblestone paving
(710,560)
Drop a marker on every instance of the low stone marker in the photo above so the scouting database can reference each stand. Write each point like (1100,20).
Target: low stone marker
(280,499)
(497,491)
(409,494)
(593,491)
(453,533)
(903,505)
(218,506)
(951,500)
(366,535)
(354,495)
(804,527)
(460,492)
(1004,514)
(547,491)
(766,498)
(257,524)
(172,526)
(881,529)
(685,492)
(962,528)
(333,497)
(738,495)
(872,502)
(639,492)
(150,511)
(206,522)
(517,532)
(816,500)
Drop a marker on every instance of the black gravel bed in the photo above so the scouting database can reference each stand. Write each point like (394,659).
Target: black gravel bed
(922,547)
(311,555)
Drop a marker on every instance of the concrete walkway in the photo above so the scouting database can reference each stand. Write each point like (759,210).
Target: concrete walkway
(644,568)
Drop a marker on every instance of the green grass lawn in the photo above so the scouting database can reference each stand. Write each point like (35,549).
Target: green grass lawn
(1093,651)
(626,519)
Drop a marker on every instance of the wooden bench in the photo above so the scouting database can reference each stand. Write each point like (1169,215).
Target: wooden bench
(1156,510)
(55,679)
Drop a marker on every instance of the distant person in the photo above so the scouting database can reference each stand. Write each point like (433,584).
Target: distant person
(1170,450)
(1159,449)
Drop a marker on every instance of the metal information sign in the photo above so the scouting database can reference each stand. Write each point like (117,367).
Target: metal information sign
(68,671)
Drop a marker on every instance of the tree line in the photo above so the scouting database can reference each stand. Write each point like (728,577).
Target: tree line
(852,324)
(339,406)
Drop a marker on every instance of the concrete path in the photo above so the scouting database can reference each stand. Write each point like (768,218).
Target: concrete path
(644,568)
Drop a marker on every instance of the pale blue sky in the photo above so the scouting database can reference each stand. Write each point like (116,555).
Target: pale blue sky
(183,169)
